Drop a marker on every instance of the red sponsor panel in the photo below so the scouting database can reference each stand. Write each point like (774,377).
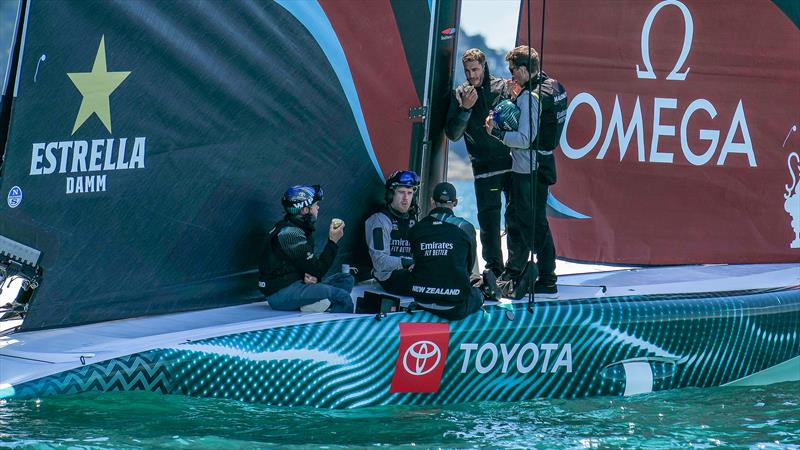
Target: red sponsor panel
(681,142)
(374,49)
(421,357)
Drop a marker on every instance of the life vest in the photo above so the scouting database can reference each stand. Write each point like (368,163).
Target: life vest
(274,269)
(399,245)
(440,249)
(554,112)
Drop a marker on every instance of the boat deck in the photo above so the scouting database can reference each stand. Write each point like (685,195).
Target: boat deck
(29,355)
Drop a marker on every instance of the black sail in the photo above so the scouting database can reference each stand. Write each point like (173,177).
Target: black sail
(150,143)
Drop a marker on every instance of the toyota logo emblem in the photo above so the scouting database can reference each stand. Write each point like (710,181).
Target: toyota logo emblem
(421,358)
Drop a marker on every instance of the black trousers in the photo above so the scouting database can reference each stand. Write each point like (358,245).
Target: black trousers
(488,196)
(472,305)
(536,236)
(398,283)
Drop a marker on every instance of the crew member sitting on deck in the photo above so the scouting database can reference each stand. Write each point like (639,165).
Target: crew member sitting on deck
(444,251)
(290,275)
(387,234)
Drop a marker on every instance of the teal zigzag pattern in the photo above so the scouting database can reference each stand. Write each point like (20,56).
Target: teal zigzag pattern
(135,372)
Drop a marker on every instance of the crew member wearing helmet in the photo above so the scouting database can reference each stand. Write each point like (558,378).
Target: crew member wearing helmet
(445,279)
(290,275)
(532,148)
(490,158)
(387,233)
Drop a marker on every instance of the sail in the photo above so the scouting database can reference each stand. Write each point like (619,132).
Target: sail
(681,142)
(150,141)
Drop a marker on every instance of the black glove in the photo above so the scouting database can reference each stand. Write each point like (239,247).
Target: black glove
(475,280)
(498,133)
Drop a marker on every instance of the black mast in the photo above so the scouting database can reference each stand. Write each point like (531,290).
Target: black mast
(429,145)
(8,88)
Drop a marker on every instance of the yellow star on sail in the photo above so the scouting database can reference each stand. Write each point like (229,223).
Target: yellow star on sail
(96,86)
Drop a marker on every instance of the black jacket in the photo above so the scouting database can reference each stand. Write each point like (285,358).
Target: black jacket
(290,254)
(444,251)
(486,153)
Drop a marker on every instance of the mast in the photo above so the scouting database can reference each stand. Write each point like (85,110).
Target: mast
(10,79)
(429,145)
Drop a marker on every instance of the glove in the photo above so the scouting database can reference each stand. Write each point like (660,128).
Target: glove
(475,280)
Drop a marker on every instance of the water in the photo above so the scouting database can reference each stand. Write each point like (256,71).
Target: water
(753,417)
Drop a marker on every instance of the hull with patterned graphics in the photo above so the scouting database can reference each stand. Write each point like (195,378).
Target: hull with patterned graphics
(637,337)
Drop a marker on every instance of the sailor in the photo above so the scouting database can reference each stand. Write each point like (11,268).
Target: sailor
(538,90)
(387,233)
(470,102)
(444,250)
(290,274)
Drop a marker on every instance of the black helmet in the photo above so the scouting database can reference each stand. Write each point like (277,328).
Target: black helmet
(404,178)
(301,196)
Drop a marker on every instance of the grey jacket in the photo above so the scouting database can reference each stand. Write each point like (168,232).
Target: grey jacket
(520,140)
(387,252)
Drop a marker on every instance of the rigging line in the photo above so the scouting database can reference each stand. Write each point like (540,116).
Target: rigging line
(534,152)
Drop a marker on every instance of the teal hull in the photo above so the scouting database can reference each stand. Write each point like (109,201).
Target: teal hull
(566,349)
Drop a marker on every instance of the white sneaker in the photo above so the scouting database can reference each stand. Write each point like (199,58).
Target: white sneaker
(320,306)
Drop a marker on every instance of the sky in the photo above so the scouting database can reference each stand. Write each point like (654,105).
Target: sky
(496,20)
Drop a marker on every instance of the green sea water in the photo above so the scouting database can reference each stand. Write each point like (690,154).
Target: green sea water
(741,417)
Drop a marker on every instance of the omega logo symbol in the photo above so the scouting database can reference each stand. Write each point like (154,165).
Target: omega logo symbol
(687,43)
(792,196)
(421,358)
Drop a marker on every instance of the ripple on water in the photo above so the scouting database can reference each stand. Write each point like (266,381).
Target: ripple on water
(763,417)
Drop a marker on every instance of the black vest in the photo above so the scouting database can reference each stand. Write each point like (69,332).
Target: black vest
(399,245)
(275,271)
(554,113)
(440,252)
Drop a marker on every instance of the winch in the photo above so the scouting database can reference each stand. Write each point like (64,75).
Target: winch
(19,269)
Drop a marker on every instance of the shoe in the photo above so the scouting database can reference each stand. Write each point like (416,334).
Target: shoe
(545,289)
(520,289)
(320,306)
(505,284)
(525,281)
(489,286)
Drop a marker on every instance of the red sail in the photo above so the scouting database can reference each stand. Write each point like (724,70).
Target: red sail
(681,144)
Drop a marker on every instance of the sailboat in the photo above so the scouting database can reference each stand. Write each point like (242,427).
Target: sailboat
(147,145)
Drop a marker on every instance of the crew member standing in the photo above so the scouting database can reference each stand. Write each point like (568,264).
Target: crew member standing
(490,158)
(538,90)
(444,250)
